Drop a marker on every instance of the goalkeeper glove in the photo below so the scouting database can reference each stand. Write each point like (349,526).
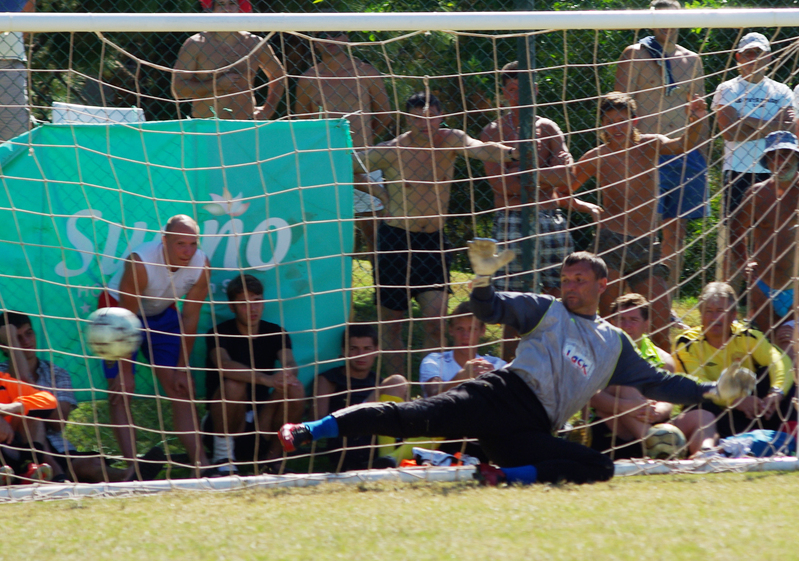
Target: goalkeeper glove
(735,382)
(485,261)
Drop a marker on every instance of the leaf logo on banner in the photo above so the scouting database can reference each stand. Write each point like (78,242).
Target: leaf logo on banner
(226,204)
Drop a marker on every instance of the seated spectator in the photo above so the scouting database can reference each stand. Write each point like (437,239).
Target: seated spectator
(442,371)
(19,339)
(252,381)
(21,430)
(353,383)
(621,432)
(704,352)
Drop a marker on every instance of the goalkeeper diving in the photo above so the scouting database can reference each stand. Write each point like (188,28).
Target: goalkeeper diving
(566,353)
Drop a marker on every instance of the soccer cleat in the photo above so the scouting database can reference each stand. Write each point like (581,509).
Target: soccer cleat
(6,475)
(38,472)
(489,475)
(293,436)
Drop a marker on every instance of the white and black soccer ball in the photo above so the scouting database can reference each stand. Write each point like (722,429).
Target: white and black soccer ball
(113,333)
(664,441)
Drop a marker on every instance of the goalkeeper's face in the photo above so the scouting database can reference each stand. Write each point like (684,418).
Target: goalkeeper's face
(580,289)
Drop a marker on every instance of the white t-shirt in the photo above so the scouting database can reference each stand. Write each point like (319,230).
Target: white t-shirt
(762,101)
(444,366)
(164,287)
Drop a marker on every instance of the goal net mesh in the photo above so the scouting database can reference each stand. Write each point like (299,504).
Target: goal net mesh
(110,155)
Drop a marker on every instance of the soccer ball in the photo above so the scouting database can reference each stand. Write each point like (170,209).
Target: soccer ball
(664,441)
(113,333)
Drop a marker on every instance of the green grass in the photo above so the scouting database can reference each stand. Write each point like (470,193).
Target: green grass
(716,517)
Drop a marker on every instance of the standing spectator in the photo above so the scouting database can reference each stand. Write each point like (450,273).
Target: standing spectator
(412,257)
(340,85)
(217,70)
(19,341)
(749,107)
(15,117)
(768,214)
(661,76)
(554,241)
(250,395)
(156,276)
(704,352)
(625,167)
(442,371)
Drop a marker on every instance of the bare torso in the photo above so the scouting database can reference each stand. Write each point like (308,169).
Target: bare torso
(504,178)
(774,226)
(347,92)
(239,54)
(628,187)
(418,180)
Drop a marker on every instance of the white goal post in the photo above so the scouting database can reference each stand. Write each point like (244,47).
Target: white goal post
(429,21)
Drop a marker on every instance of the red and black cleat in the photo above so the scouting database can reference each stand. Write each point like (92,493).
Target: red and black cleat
(292,436)
(489,475)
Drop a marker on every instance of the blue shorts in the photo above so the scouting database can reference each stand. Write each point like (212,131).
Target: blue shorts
(683,186)
(161,344)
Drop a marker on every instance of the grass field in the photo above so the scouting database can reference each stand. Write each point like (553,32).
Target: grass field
(715,517)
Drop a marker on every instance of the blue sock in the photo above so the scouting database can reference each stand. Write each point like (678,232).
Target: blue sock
(323,428)
(524,474)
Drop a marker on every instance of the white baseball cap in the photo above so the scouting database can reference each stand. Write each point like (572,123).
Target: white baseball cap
(754,40)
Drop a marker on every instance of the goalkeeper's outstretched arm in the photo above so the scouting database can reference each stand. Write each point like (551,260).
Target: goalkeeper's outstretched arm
(522,311)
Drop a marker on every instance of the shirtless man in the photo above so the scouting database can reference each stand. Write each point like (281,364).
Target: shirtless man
(216,71)
(156,275)
(659,74)
(552,173)
(625,168)
(343,86)
(768,212)
(418,167)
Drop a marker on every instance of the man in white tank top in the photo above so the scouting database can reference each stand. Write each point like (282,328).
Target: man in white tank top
(156,275)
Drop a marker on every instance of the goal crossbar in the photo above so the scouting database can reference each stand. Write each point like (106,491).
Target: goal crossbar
(406,21)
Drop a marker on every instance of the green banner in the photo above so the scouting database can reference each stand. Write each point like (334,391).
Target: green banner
(272,198)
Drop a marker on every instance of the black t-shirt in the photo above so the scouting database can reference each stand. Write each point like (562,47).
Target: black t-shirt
(359,389)
(261,355)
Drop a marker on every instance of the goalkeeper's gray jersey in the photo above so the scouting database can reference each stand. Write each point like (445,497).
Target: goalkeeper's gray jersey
(565,357)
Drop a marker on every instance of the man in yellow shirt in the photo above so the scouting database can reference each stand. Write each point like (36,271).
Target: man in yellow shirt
(704,352)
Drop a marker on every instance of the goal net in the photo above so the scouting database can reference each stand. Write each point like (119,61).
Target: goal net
(335,178)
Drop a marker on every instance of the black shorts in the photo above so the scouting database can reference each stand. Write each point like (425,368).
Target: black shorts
(400,274)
